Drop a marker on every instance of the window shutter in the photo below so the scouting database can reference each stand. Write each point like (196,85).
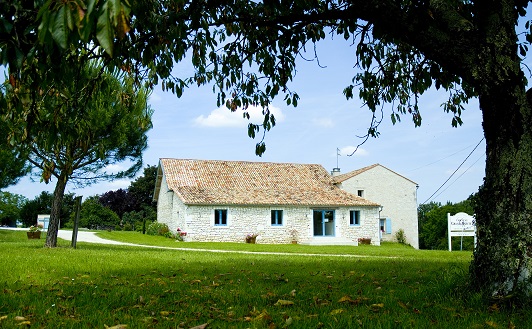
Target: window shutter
(388,226)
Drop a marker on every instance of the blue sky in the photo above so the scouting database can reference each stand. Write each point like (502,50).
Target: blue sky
(193,127)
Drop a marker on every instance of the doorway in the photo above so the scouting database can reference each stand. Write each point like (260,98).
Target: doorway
(323,222)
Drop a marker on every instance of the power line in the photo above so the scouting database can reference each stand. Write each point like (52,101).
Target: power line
(457,178)
(439,188)
(450,155)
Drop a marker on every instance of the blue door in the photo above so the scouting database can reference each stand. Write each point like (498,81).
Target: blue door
(323,222)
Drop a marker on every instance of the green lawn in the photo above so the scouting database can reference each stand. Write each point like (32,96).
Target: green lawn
(95,286)
(392,250)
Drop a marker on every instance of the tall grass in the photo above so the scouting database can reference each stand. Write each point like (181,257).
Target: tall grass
(101,285)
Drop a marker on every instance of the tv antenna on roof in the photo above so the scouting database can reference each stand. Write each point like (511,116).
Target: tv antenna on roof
(336,171)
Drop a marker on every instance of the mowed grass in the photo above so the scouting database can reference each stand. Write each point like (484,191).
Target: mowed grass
(392,250)
(95,286)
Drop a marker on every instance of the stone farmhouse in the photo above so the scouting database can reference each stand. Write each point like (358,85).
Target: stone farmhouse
(280,202)
(395,193)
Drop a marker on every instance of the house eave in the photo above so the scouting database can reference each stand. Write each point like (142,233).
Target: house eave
(316,205)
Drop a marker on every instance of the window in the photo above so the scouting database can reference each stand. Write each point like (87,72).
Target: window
(220,217)
(386,225)
(354,217)
(277,217)
(360,193)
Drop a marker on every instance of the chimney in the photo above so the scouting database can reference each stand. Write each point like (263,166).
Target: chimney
(335,172)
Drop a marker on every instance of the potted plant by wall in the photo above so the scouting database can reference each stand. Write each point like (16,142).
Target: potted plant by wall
(251,238)
(181,235)
(34,232)
(364,240)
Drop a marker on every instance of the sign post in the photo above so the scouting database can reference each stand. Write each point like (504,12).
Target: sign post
(76,222)
(461,224)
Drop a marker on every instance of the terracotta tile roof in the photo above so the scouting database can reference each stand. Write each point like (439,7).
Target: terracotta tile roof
(346,176)
(206,182)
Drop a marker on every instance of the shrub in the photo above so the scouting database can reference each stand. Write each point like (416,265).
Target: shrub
(139,226)
(95,216)
(400,236)
(161,229)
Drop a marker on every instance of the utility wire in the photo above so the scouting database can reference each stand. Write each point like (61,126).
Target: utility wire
(439,188)
(450,155)
(457,178)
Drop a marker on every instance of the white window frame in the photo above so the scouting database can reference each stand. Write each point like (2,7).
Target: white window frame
(277,211)
(216,211)
(352,220)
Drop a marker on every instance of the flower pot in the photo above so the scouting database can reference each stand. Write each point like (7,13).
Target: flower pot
(294,241)
(364,241)
(34,235)
(251,240)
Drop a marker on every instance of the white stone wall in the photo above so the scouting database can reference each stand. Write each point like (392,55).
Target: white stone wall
(164,203)
(396,194)
(198,222)
(242,221)
(368,228)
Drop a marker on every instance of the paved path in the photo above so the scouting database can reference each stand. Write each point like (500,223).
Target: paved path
(91,237)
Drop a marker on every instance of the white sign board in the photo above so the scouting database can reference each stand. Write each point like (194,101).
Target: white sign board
(461,224)
(43,220)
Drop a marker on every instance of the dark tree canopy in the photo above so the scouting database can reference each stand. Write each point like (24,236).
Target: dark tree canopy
(95,216)
(12,166)
(118,201)
(10,205)
(433,229)
(248,50)
(142,188)
(13,160)
(137,197)
(42,204)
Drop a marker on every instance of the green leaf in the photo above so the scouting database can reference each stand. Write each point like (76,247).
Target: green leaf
(104,32)
(59,32)
(69,20)
(260,148)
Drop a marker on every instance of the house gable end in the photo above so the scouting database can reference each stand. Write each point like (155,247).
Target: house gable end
(341,178)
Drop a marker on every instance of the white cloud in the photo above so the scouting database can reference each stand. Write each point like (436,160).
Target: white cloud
(323,122)
(119,183)
(116,167)
(223,117)
(348,150)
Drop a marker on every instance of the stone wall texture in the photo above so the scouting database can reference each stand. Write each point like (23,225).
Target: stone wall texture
(198,221)
(396,194)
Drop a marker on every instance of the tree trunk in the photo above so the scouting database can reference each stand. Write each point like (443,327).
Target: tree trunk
(53,226)
(501,262)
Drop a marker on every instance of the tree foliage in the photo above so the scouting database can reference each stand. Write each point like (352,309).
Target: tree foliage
(84,122)
(13,161)
(134,206)
(42,204)
(433,230)
(118,201)
(95,216)
(10,205)
(142,188)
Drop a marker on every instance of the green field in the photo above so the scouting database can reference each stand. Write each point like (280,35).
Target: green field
(95,286)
